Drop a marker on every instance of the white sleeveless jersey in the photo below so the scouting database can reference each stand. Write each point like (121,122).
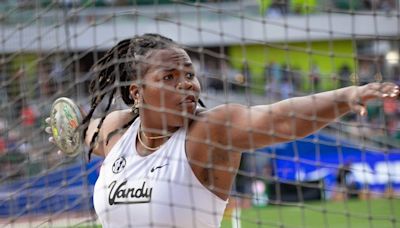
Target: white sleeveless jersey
(158,190)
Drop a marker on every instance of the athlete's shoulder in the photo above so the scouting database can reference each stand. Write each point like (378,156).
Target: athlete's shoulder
(119,115)
(220,113)
(212,122)
(117,119)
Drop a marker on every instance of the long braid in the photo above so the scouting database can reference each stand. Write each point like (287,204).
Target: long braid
(94,137)
(105,73)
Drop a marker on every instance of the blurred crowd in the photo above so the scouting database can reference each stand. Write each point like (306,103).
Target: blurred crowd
(279,8)
(21,126)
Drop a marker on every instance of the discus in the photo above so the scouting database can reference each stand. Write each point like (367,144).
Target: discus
(65,118)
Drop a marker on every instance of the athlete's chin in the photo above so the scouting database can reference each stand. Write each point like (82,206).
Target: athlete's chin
(188,113)
(187,109)
(181,118)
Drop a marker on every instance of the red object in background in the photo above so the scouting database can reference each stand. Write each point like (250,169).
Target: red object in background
(28,116)
(390,106)
(2,145)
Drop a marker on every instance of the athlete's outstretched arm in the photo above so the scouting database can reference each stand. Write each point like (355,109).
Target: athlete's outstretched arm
(258,126)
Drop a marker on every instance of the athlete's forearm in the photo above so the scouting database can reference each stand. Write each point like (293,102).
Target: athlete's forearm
(308,114)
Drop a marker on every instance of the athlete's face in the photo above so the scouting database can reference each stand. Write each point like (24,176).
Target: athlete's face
(169,89)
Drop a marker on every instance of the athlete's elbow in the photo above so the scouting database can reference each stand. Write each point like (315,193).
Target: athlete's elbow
(292,132)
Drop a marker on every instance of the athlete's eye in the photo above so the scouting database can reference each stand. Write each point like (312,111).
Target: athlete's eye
(189,75)
(168,77)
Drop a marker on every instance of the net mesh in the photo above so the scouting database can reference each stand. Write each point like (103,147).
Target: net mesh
(246,52)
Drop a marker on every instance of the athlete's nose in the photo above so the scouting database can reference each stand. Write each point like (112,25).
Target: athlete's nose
(185,85)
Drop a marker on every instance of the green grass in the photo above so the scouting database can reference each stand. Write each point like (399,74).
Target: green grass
(376,213)
(380,213)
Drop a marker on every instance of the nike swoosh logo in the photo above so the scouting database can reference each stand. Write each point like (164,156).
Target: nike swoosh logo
(157,167)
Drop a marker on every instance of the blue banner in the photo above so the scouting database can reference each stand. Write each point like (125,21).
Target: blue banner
(320,157)
(69,188)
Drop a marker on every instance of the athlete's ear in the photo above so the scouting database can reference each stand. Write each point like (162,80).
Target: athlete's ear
(134,91)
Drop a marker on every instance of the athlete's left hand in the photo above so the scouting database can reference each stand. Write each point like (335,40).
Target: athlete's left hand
(362,94)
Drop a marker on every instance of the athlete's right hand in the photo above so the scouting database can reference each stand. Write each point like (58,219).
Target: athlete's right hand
(51,139)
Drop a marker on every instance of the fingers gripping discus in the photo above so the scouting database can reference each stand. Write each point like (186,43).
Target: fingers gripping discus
(65,118)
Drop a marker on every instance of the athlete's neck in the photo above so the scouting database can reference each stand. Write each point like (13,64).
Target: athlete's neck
(152,129)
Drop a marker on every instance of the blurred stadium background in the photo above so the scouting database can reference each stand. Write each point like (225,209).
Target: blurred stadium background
(246,51)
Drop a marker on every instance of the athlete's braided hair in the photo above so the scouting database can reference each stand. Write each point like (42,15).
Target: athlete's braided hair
(117,69)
